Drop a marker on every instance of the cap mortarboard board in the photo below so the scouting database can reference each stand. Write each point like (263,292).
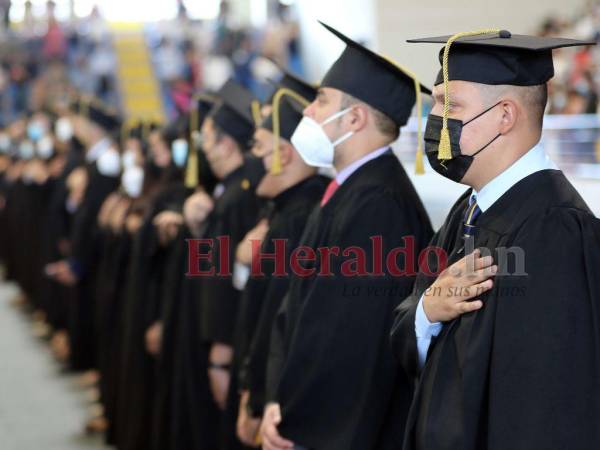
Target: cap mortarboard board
(501,57)
(373,79)
(235,113)
(79,106)
(108,120)
(287,113)
(294,83)
(493,56)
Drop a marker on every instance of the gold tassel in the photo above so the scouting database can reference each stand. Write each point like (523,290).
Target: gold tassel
(192,178)
(191,170)
(276,164)
(256,114)
(444,149)
(419,166)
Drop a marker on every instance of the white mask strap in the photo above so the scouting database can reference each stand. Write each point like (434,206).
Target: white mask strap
(336,115)
(342,138)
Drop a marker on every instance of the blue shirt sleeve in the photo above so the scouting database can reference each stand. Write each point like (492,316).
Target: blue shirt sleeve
(424,330)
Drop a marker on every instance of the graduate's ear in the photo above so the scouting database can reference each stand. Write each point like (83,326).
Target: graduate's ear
(510,114)
(285,152)
(358,117)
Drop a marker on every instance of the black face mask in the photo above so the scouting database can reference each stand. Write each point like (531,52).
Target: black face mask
(455,168)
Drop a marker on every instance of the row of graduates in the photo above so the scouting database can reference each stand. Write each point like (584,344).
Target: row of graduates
(192,361)
(105,245)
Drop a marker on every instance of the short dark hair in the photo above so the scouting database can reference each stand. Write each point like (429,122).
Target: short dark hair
(384,124)
(534,98)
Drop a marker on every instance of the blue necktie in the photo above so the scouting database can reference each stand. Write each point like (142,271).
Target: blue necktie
(471,214)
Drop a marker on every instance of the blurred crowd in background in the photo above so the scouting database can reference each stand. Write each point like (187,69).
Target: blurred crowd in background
(42,56)
(61,111)
(574,89)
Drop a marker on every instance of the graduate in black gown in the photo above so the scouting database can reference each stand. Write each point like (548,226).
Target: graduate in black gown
(5,163)
(195,419)
(332,381)
(294,189)
(57,220)
(118,221)
(163,336)
(503,330)
(97,128)
(136,381)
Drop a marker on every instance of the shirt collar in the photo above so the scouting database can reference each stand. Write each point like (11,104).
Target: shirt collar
(531,162)
(345,173)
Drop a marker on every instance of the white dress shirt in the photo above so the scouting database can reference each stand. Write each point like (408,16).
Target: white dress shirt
(345,173)
(531,162)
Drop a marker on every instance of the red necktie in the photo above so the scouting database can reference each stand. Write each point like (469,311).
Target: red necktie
(333,185)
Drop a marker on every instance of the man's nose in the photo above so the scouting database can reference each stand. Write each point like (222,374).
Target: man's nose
(309,110)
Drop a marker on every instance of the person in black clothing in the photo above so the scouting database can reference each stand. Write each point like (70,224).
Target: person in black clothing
(294,189)
(504,335)
(332,381)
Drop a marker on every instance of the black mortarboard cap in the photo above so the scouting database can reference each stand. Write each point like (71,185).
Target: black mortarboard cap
(493,56)
(501,57)
(294,83)
(373,79)
(107,120)
(234,114)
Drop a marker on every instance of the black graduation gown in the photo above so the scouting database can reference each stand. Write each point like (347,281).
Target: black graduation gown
(235,213)
(3,232)
(110,292)
(10,228)
(31,226)
(56,229)
(172,426)
(84,256)
(263,295)
(134,413)
(194,416)
(521,373)
(331,366)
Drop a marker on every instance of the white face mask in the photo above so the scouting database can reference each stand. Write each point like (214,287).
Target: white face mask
(63,129)
(109,163)
(4,143)
(45,148)
(179,150)
(128,159)
(26,150)
(132,181)
(312,142)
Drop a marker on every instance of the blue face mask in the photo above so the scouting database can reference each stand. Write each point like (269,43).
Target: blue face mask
(179,150)
(35,131)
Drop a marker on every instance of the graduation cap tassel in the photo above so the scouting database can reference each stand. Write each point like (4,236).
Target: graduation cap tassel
(444,149)
(419,166)
(191,169)
(276,166)
(256,114)
(126,129)
(192,178)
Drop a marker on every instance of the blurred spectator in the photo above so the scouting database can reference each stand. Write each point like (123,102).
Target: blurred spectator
(574,89)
